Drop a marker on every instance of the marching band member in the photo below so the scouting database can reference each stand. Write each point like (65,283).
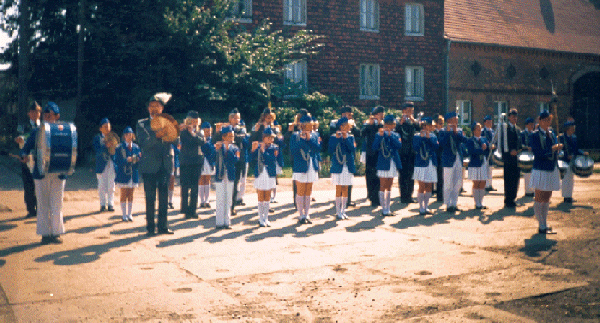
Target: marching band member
(49,188)
(265,156)
(489,133)
(227,156)
(571,150)
(545,176)
(478,149)
(34,113)
(368,133)
(305,147)
(346,111)
(176,166)
(342,147)
(191,160)
(268,120)
(451,140)
(525,134)
(439,186)
(293,128)
(127,156)
(105,169)
(406,128)
(387,143)
(208,166)
(426,145)
(510,146)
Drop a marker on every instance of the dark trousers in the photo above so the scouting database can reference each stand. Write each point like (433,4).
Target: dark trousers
(405,180)
(188,180)
(440,182)
(152,182)
(28,190)
(372,180)
(512,176)
(349,195)
(240,168)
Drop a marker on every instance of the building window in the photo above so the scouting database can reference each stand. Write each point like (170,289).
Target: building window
(295,78)
(369,15)
(294,12)
(414,20)
(544,106)
(369,81)
(241,10)
(464,112)
(414,83)
(500,107)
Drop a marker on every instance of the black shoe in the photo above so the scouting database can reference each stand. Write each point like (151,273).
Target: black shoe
(351,204)
(510,205)
(308,221)
(422,213)
(375,205)
(167,231)
(568,200)
(233,212)
(490,189)
(111,208)
(483,207)
(194,216)
(208,205)
(271,210)
(529,194)
(56,240)
(451,209)
(302,221)
(102,208)
(46,240)
(188,216)
(170,206)
(30,215)
(150,234)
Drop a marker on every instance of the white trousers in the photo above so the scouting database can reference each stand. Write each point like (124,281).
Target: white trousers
(224,194)
(453,182)
(49,192)
(567,184)
(242,183)
(488,182)
(527,179)
(106,185)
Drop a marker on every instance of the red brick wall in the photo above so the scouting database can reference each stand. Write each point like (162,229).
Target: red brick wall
(335,70)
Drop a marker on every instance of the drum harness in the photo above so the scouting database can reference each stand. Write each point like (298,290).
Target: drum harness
(384,149)
(424,156)
(338,151)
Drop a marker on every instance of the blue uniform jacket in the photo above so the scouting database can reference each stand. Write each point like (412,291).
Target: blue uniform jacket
(346,148)
(102,154)
(525,134)
(387,147)
(570,147)
(451,143)
(543,156)
(301,148)
(126,171)
(225,160)
(476,153)
(425,150)
(208,149)
(269,160)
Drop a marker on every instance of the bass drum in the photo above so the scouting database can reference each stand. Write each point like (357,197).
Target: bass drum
(562,167)
(497,159)
(56,147)
(525,161)
(583,166)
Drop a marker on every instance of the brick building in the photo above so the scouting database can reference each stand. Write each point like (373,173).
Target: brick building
(512,54)
(376,51)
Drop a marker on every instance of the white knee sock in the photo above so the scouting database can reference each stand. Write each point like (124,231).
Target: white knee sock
(124,210)
(261,212)
(266,206)
(388,195)
(201,193)
(421,200)
(545,207)
(338,207)
(171,196)
(273,194)
(307,206)
(129,209)
(300,206)
(344,202)
(382,201)
(426,198)
(537,210)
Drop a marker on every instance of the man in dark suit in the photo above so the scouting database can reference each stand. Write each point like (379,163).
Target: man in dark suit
(191,160)
(406,128)
(369,130)
(155,165)
(34,113)
(510,145)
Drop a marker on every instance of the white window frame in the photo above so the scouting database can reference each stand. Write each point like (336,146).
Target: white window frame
(369,81)
(295,75)
(369,15)
(236,15)
(294,12)
(499,108)
(414,20)
(464,108)
(414,83)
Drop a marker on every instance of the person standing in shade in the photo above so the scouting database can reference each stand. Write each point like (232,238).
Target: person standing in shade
(49,188)
(34,114)
(156,165)
(226,157)
(368,133)
(525,135)
(545,176)
(105,168)
(346,112)
(342,147)
(264,154)
(489,134)
(451,140)
(477,147)
(191,160)
(510,146)
(387,143)
(406,127)
(208,166)
(426,145)
(127,156)
(571,150)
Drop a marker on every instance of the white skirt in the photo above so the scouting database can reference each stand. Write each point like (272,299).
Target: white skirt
(263,182)
(345,178)
(131,184)
(393,172)
(478,173)
(426,174)
(545,180)
(206,169)
(310,176)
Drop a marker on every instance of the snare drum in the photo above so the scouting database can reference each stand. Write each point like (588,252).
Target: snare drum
(525,161)
(562,167)
(56,146)
(582,166)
